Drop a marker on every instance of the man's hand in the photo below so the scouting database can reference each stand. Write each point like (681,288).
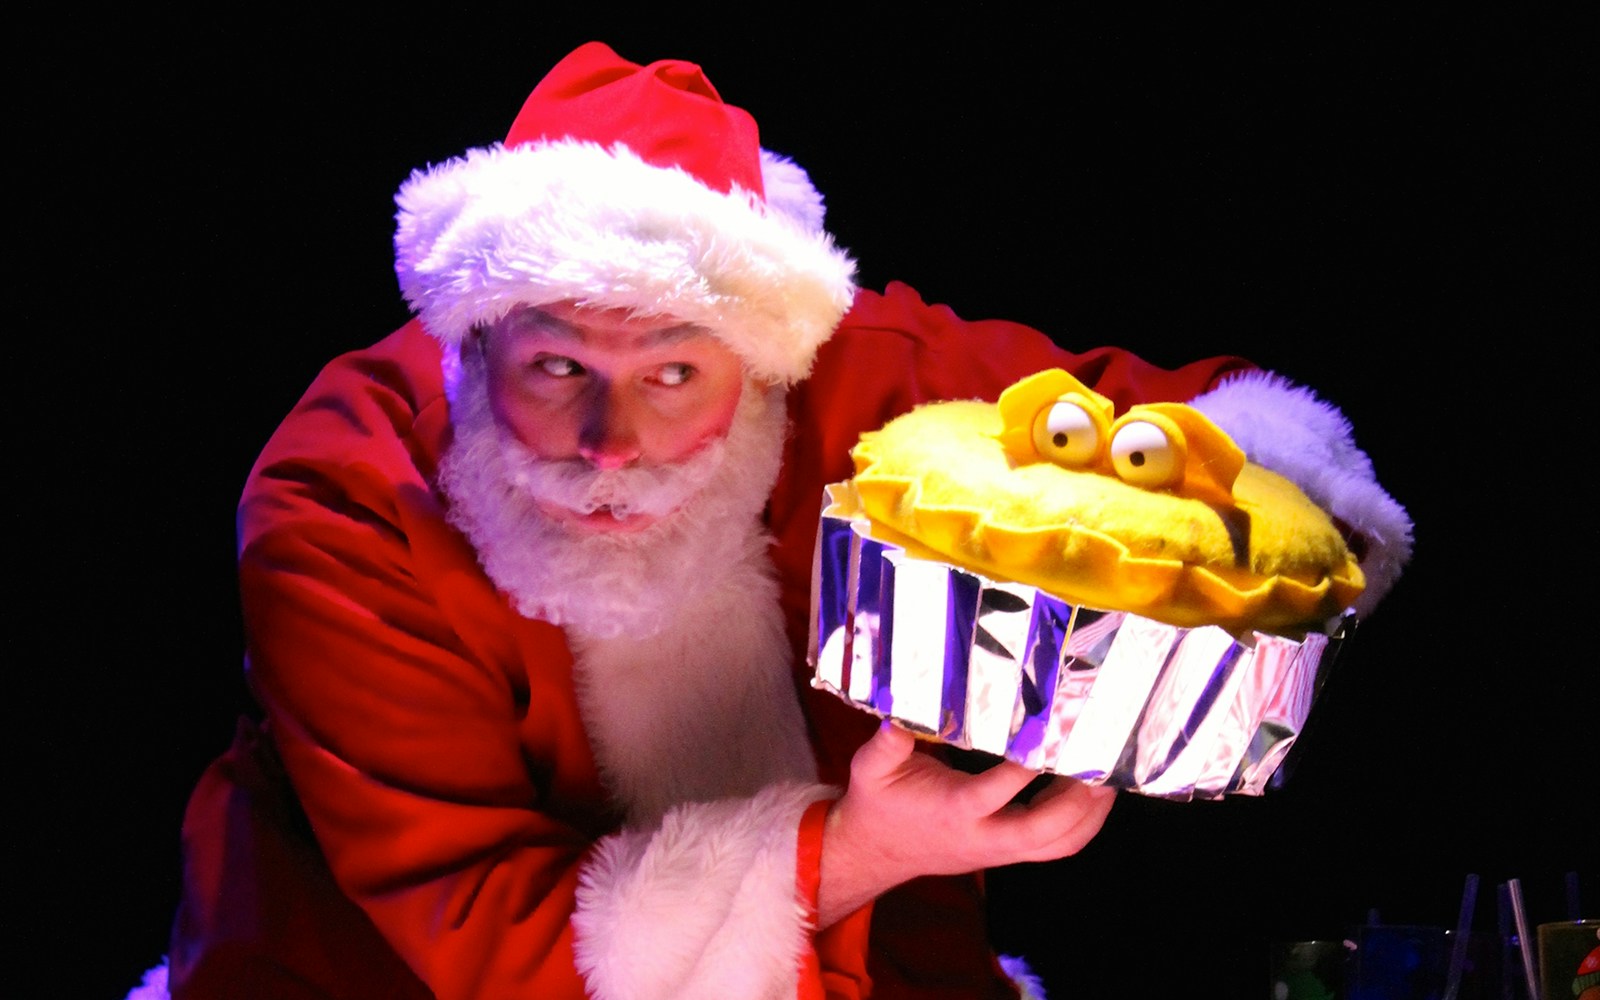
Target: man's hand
(907,814)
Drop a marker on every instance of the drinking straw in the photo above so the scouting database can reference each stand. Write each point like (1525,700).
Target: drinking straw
(1574,911)
(1458,954)
(1530,972)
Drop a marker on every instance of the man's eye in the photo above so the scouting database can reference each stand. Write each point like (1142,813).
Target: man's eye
(556,366)
(674,374)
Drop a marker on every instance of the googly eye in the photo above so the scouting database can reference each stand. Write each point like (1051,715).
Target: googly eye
(1067,434)
(1144,453)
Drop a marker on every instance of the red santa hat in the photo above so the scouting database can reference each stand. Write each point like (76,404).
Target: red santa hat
(634,187)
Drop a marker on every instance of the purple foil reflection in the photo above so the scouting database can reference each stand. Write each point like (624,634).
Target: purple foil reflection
(1003,668)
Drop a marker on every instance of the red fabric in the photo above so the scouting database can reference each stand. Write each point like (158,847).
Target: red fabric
(261,916)
(432,737)
(836,967)
(668,113)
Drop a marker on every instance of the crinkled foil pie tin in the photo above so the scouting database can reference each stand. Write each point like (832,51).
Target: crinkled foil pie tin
(1103,696)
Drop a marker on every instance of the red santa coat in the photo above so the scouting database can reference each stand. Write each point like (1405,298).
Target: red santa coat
(442,798)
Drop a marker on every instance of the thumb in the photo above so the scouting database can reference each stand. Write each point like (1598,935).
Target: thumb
(889,748)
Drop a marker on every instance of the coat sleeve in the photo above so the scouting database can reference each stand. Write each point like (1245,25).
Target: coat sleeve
(433,740)
(435,750)
(894,351)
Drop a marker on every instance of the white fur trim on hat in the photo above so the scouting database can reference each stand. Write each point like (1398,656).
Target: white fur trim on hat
(1286,428)
(565,220)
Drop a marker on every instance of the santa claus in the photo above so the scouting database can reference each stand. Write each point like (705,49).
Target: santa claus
(525,583)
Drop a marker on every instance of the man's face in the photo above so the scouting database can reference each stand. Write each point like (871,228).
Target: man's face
(608,391)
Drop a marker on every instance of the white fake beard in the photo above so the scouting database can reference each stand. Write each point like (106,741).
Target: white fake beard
(605,584)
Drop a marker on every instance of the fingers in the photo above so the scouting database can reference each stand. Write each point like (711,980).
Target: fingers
(992,790)
(888,777)
(879,757)
(1061,820)
(1061,785)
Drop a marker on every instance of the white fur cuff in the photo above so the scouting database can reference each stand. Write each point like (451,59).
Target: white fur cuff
(704,906)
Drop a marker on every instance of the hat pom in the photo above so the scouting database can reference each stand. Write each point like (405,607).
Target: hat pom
(1289,429)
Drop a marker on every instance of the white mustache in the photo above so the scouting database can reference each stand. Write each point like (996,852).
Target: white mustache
(653,490)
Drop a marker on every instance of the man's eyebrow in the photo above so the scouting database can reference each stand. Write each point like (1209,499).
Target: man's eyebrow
(538,319)
(563,330)
(674,334)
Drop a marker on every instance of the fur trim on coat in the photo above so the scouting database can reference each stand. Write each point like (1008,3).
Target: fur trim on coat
(703,907)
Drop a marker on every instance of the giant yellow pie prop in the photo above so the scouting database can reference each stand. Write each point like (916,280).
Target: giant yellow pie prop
(1154,511)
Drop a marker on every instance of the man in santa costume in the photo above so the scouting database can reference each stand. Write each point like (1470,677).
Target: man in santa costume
(526,587)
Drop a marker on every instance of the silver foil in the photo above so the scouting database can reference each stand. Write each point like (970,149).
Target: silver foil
(1104,696)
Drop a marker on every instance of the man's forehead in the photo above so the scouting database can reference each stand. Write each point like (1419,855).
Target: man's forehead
(585,324)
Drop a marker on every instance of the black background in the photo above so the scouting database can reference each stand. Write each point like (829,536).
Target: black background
(1395,210)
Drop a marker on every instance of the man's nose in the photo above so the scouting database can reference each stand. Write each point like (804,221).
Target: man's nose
(609,438)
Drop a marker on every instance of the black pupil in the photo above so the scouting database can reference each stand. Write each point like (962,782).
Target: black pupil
(1136,458)
(1058,439)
